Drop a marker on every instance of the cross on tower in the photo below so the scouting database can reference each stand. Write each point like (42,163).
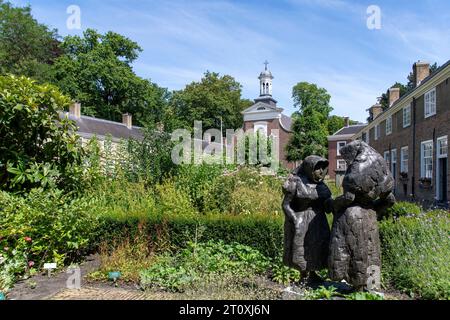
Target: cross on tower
(266,63)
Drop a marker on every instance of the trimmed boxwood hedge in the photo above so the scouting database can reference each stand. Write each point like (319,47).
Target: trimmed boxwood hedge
(263,233)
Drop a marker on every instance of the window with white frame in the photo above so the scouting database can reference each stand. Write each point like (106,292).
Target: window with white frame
(407,116)
(393,161)
(341,165)
(404,155)
(377,132)
(426,159)
(389,125)
(340,145)
(387,157)
(442,147)
(430,103)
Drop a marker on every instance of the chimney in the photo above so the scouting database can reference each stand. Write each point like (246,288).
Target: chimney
(127,119)
(75,110)
(376,110)
(421,70)
(394,95)
(347,121)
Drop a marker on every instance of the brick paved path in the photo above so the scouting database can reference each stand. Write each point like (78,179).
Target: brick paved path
(92,293)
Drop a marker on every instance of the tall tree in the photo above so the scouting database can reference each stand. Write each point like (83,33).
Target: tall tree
(96,70)
(310,122)
(27,47)
(212,100)
(309,95)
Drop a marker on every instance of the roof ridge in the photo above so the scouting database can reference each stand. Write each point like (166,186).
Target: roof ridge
(99,120)
(350,126)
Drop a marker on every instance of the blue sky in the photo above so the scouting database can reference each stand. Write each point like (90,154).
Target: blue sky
(326,42)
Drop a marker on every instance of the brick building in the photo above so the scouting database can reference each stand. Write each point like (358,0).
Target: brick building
(412,136)
(265,116)
(338,166)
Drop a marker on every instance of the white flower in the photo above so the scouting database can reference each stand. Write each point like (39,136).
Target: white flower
(2,259)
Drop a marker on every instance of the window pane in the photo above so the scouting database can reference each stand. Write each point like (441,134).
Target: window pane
(389,125)
(341,165)
(427,160)
(404,160)
(406,116)
(394,156)
(430,103)
(443,147)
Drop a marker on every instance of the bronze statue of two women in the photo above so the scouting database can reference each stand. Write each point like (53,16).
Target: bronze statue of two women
(351,250)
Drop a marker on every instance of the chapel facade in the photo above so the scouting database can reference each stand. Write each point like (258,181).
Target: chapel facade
(268,118)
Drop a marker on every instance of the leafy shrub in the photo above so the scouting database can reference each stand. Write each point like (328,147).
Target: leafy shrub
(44,227)
(172,221)
(198,261)
(255,200)
(150,159)
(37,148)
(245,191)
(197,180)
(121,200)
(174,201)
(166,274)
(322,293)
(363,296)
(401,209)
(283,274)
(416,254)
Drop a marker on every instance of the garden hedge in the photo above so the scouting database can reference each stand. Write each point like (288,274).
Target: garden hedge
(263,233)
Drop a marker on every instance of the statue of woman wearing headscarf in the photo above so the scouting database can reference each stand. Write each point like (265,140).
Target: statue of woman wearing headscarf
(307,233)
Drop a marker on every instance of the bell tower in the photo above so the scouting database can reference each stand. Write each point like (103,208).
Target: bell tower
(265,87)
(265,82)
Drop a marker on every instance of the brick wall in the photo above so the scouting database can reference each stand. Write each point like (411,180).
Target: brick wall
(284,138)
(425,129)
(333,156)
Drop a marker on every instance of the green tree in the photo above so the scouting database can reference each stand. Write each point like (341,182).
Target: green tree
(214,98)
(309,95)
(309,136)
(96,70)
(27,47)
(310,122)
(37,148)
